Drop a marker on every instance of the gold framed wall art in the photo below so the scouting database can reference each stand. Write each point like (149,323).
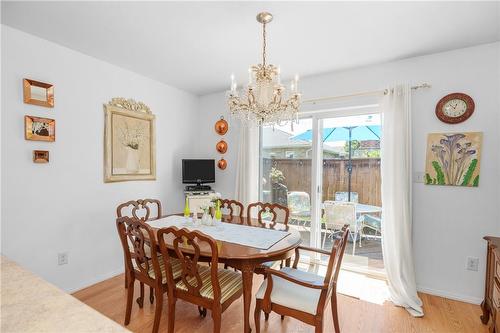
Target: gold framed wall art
(39,129)
(129,141)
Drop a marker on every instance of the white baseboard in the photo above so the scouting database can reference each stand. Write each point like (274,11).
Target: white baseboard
(445,294)
(95,280)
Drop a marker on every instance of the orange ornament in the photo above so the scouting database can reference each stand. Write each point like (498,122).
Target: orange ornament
(222,164)
(221,126)
(221,146)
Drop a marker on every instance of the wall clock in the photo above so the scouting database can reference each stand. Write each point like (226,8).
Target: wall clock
(455,108)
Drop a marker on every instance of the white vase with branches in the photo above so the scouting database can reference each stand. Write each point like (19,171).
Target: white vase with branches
(131,138)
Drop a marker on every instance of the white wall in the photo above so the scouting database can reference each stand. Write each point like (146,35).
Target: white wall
(65,205)
(449,222)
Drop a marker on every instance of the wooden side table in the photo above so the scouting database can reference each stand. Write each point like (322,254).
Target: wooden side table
(491,302)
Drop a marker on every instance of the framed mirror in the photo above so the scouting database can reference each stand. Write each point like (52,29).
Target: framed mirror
(38,93)
(40,156)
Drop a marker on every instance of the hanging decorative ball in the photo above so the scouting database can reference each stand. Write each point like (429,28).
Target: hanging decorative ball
(222,164)
(221,126)
(221,146)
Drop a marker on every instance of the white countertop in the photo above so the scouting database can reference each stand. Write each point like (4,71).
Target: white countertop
(30,304)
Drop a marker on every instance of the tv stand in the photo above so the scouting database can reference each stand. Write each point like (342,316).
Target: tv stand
(198,188)
(198,199)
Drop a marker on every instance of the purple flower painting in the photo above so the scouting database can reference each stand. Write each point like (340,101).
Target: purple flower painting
(453,159)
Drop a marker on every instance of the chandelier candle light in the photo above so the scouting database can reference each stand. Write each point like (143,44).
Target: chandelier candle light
(265,100)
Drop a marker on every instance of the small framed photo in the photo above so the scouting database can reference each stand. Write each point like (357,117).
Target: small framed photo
(40,156)
(39,129)
(38,93)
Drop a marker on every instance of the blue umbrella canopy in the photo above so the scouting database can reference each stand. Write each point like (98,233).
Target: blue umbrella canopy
(332,134)
(350,133)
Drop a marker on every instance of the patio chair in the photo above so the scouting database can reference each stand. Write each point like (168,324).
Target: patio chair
(344,196)
(338,214)
(299,204)
(371,222)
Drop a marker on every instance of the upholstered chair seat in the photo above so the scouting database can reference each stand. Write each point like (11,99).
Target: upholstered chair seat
(290,294)
(230,283)
(303,295)
(176,269)
(209,287)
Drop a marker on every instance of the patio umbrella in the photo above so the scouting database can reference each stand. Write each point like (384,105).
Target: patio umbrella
(347,133)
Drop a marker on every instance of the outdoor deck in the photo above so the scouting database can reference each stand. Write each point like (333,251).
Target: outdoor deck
(369,255)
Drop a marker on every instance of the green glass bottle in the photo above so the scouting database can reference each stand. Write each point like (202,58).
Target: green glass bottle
(218,213)
(186,208)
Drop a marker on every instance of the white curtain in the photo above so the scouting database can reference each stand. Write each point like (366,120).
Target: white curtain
(396,170)
(247,167)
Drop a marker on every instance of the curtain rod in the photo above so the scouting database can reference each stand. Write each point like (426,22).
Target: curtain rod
(364,93)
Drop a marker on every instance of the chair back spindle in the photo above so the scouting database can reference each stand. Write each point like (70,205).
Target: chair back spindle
(335,260)
(133,231)
(187,246)
(277,212)
(140,208)
(232,208)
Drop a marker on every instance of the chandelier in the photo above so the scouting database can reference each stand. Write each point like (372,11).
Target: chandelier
(265,100)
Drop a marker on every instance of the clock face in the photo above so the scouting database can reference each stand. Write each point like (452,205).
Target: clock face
(455,108)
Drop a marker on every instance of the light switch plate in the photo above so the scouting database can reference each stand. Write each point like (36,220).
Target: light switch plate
(418,177)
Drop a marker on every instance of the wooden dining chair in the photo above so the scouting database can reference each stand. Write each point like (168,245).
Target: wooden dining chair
(303,295)
(143,264)
(232,207)
(277,214)
(143,207)
(209,287)
(268,212)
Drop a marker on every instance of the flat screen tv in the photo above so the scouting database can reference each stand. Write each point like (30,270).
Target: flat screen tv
(198,171)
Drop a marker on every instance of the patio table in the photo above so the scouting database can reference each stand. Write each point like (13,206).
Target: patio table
(362,209)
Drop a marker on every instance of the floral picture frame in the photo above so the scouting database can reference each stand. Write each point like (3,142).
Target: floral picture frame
(129,141)
(453,159)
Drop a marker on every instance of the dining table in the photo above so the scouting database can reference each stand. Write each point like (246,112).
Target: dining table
(243,243)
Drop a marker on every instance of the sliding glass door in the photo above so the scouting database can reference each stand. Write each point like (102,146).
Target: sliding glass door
(324,167)
(351,187)
(286,172)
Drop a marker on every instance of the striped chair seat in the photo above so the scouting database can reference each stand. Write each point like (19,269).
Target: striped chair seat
(230,283)
(176,269)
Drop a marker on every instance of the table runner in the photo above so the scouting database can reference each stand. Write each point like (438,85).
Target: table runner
(259,238)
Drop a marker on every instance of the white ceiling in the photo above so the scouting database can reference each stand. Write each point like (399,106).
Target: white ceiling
(195,46)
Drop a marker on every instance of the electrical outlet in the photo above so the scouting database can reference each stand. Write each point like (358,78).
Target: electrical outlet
(472,264)
(62,258)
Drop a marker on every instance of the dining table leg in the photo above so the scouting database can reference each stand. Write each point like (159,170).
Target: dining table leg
(247,272)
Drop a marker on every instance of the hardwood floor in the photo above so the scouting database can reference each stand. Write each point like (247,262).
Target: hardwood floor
(441,315)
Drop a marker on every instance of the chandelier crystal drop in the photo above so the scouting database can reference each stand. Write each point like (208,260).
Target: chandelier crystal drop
(264,101)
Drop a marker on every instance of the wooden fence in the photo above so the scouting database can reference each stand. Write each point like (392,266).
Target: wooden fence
(365,179)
